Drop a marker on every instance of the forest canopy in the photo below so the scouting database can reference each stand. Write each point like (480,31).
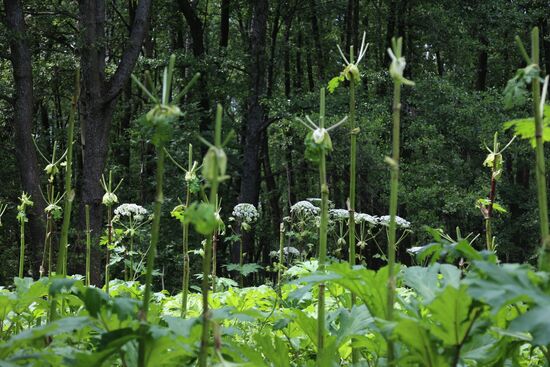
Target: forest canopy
(200,146)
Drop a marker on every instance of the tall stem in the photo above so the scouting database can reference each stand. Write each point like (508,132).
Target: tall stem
(203,354)
(22,249)
(159,199)
(281,257)
(88,244)
(185,229)
(544,258)
(69,192)
(352,180)
(352,166)
(109,241)
(394,166)
(322,237)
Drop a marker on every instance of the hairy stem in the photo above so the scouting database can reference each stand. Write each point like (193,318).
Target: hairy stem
(322,237)
(394,186)
(69,192)
(88,244)
(544,258)
(203,353)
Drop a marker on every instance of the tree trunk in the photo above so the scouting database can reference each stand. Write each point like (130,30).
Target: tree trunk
(482,64)
(299,71)
(196,29)
(317,39)
(224,23)
(98,99)
(22,124)
(250,176)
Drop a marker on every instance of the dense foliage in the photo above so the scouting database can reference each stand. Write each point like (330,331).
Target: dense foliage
(186,198)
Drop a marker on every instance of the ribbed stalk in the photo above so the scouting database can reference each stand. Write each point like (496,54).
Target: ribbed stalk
(206,262)
(69,192)
(185,235)
(544,258)
(322,237)
(394,186)
(88,244)
(21,248)
(352,184)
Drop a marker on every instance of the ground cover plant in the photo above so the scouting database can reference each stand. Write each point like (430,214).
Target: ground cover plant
(192,275)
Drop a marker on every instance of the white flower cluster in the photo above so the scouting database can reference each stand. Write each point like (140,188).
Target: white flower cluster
(401,223)
(134,211)
(286,250)
(366,218)
(339,214)
(246,213)
(304,208)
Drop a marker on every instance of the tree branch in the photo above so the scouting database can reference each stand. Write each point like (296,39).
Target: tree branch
(131,52)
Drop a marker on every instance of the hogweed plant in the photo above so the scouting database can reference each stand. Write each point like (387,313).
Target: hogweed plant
(192,187)
(352,74)
(494,161)
(69,193)
(52,199)
(131,217)
(109,199)
(159,123)
(24,203)
(245,215)
(206,221)
(397,68)
(318,145)
(536,129)
(367,224)
(340,218)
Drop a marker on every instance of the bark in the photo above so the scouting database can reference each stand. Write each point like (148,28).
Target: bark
(317,39)
(98,101)
(390,28)
(270,183)
(196,30)
(482,64)
(21,60)
(299,71)
(273,51)
(545,34)
(286,66)
(224,23)
(250,176)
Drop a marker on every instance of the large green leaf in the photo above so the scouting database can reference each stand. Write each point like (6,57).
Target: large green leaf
(536,322)
(452,315)
(500,285)
(422,349)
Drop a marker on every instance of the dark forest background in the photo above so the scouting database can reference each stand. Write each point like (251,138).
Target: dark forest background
(265,61)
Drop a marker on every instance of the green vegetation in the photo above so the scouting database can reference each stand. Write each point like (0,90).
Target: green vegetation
(274,249)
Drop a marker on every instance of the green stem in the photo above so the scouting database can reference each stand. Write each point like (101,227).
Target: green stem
(159,198)
(151,254)
(241,280)
(396,108)
(322,237)
(22,249)
(544,258)
(88,244)
(185,285)
(352,180)
(281,254)
(203,353)
(69,192)
(109,240)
